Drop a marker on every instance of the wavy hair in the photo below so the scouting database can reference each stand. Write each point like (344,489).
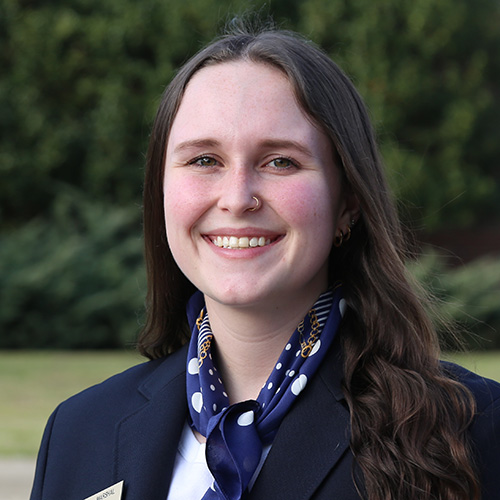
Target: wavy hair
(408,418)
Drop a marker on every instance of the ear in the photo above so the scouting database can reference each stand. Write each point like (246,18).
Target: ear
(350,211)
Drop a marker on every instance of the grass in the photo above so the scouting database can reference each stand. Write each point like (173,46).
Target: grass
(32,384)
(485,363)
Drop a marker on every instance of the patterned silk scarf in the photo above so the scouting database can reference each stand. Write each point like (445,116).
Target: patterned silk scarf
(236,434)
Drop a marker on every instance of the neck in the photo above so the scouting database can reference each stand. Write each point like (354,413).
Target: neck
(248,343)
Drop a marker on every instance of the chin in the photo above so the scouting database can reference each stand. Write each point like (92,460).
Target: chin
(238,296)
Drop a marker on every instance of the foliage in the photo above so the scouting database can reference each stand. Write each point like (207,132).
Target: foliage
(79,85)
(74,280)
(466,296)
(77,280)
(430,86)
(81,80)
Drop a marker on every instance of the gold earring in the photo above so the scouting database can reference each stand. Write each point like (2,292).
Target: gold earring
(348,234)
(338,240)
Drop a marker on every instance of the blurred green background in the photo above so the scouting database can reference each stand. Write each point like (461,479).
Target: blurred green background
(79,84)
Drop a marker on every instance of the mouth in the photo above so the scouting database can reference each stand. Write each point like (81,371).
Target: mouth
(240,243)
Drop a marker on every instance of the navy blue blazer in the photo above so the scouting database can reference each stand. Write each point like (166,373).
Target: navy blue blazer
(128,428)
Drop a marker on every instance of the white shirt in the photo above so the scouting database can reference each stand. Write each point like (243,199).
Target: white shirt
(191,476)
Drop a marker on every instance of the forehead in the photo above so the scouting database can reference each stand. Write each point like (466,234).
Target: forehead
(238,97)
(240,79)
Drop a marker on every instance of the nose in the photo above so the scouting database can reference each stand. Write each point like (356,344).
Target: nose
(237,191)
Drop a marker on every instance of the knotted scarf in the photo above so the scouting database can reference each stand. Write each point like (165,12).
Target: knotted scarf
(236,434)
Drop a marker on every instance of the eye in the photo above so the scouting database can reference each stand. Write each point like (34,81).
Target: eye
(204,161)
(282,163)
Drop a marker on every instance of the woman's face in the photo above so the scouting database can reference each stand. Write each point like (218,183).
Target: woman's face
(239,133)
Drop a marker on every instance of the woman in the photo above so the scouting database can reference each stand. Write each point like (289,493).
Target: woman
(306,366)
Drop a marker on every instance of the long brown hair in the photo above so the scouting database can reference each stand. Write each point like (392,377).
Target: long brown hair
(408,419)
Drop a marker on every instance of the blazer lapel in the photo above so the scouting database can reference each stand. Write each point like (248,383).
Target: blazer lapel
(311,440)
(147,439)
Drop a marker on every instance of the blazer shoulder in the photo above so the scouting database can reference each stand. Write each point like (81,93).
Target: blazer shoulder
(484,430)
(127,389)
(485,391)
(89,431)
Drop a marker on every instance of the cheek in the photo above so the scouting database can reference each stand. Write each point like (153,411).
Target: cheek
(308,205)
(182,199)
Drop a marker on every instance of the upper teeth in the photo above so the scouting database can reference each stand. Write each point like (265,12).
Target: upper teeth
(244,242)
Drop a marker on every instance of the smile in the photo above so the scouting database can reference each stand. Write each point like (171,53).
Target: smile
(236,243)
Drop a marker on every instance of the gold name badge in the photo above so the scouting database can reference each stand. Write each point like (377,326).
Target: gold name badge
(111,493)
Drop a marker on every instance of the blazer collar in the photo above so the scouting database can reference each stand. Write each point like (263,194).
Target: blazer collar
(311,439)
(147,439)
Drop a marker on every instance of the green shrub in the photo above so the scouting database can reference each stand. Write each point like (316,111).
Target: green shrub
(74,280)
(468,296)
(80,81)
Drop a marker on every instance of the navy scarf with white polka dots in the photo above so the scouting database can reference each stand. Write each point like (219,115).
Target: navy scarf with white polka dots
(236,434)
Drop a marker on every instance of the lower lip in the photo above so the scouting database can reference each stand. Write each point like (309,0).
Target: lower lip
(242,253)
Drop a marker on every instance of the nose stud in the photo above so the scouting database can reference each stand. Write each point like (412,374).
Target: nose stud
(257,204)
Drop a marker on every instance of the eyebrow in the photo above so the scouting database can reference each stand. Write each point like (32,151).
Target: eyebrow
(266,144)
(196,143)
(286,144)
